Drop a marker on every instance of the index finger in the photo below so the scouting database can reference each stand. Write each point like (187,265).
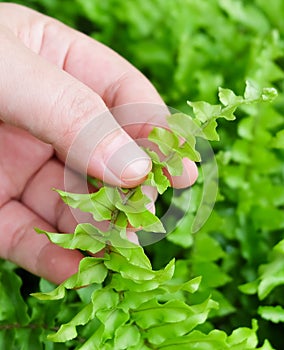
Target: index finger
(103,70)
(108,74)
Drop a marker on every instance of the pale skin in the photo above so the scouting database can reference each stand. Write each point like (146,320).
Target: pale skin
(53,82)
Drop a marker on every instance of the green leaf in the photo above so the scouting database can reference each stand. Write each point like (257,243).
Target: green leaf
(120,284)
(215,340)
(249,288)
(204,111)
(212,275)
(228,112)
(158,179)
(91,270)
(182,235)
(104,299)
(228,97)
(121,221)
(6,341)
(137,272)
(246,335)
(166,274)
(192,285)
(252,91)
(56,294)
(166,140)
(13,306)
(86,237)
(189,286)
(126,336)
(153,313)
(135,255)
(65,332)
(119,264)
(146,220)
(94,342)
(274,314)
(186,128)
(187,150)
(266,346)
(112,320)
(269,94)
(279,247)
(68,331)
(278,141)
(85,294)
(174,164)
(209,130)
(207,248)
(26,339)
(197,314)
(271,274)
(100,204)
(136,203)
(134,299)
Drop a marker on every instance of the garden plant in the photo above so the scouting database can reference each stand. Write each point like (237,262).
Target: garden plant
(214,279)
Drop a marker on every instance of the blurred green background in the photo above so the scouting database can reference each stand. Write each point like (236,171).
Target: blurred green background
(189,48)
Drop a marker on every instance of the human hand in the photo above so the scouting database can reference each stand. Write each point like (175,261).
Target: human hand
(54,82)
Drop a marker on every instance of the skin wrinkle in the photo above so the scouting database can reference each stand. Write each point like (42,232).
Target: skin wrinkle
(67,53)
(83,103)
(18,233)
(111,92)
(30,30)
(58,214)
(32,35)
(30,181)
(97,80)
(4,194)
(16,191)
(62,95)
(36,82)
(109,142)
(53,54)
(18,236)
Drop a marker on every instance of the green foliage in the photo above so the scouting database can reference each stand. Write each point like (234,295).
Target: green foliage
(187,49)
(132,305)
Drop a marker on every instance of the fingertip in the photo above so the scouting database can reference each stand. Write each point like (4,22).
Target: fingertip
(136,172)
(188,176)
(56,264)
(122,162)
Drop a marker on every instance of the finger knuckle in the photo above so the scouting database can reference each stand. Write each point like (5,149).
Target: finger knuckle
(74,107)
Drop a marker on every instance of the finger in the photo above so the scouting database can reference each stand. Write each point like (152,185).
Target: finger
(39,192)
(18,239)
(130,96)
(55,107)
(132,99)
(46,203)
(91,62)
(21,156)
(88,60)
(187,178)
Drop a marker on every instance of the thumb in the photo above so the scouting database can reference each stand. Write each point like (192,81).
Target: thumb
(60,110)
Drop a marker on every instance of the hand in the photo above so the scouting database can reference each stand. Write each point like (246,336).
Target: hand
(54,82)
